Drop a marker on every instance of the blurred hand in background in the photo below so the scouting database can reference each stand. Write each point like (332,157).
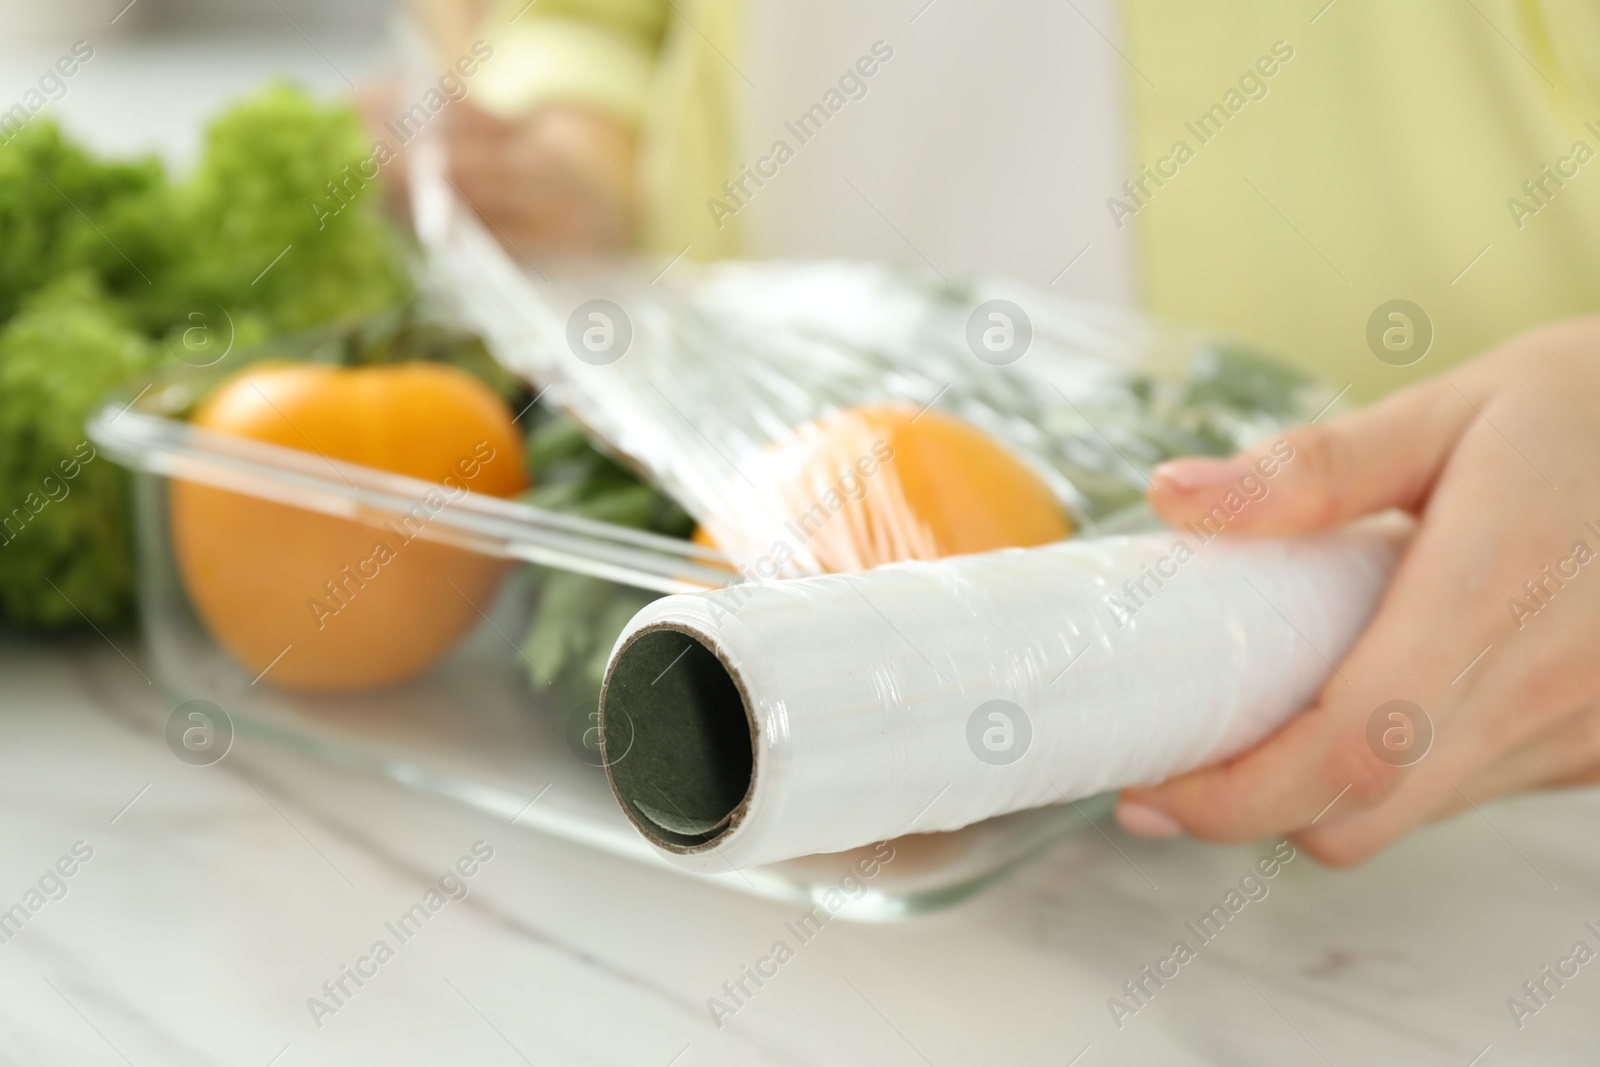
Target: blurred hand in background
(541,128)
(558,180)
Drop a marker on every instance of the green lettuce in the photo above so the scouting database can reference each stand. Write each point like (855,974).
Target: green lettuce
(103,263)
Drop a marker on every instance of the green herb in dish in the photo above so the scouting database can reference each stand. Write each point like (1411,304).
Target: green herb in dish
(576,618)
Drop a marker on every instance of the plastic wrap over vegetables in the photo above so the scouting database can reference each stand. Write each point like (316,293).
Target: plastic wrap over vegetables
(764,398)
(822,420)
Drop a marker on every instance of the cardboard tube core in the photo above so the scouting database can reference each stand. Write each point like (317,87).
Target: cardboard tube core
(677,738)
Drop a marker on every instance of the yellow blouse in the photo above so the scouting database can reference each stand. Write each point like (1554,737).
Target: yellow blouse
(1413,182)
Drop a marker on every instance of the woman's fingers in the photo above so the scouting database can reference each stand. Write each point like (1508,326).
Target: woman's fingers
(558,180)
(1445,606)
(1483,641)
(1383,456)
(1279,786)
(1457,778)
(1324,754)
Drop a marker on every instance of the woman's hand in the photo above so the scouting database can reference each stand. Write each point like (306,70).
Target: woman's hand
(1491,626)
(557,180)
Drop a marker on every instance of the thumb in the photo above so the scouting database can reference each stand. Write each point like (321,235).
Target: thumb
(1387,455)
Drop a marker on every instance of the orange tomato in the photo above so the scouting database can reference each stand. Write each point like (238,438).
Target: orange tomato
(329,603)
(884,483)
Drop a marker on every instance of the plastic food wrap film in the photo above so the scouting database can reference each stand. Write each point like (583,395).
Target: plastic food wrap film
(818,419)
(824,713)
(753,393)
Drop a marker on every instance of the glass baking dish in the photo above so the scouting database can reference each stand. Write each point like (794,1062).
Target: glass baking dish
(473,728)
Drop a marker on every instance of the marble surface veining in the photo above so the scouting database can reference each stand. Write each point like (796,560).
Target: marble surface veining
(219,900)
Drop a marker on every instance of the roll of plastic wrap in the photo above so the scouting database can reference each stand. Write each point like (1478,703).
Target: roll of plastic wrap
(762,722)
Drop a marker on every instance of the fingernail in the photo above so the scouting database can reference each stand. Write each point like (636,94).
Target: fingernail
(1144,821)
(1201,472)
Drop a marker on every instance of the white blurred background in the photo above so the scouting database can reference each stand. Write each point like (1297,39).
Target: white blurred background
(161,67)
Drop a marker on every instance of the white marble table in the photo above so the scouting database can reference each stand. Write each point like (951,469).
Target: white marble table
(218,900)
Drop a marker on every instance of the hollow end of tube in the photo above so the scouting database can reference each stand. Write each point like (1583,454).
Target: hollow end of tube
(677,738)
